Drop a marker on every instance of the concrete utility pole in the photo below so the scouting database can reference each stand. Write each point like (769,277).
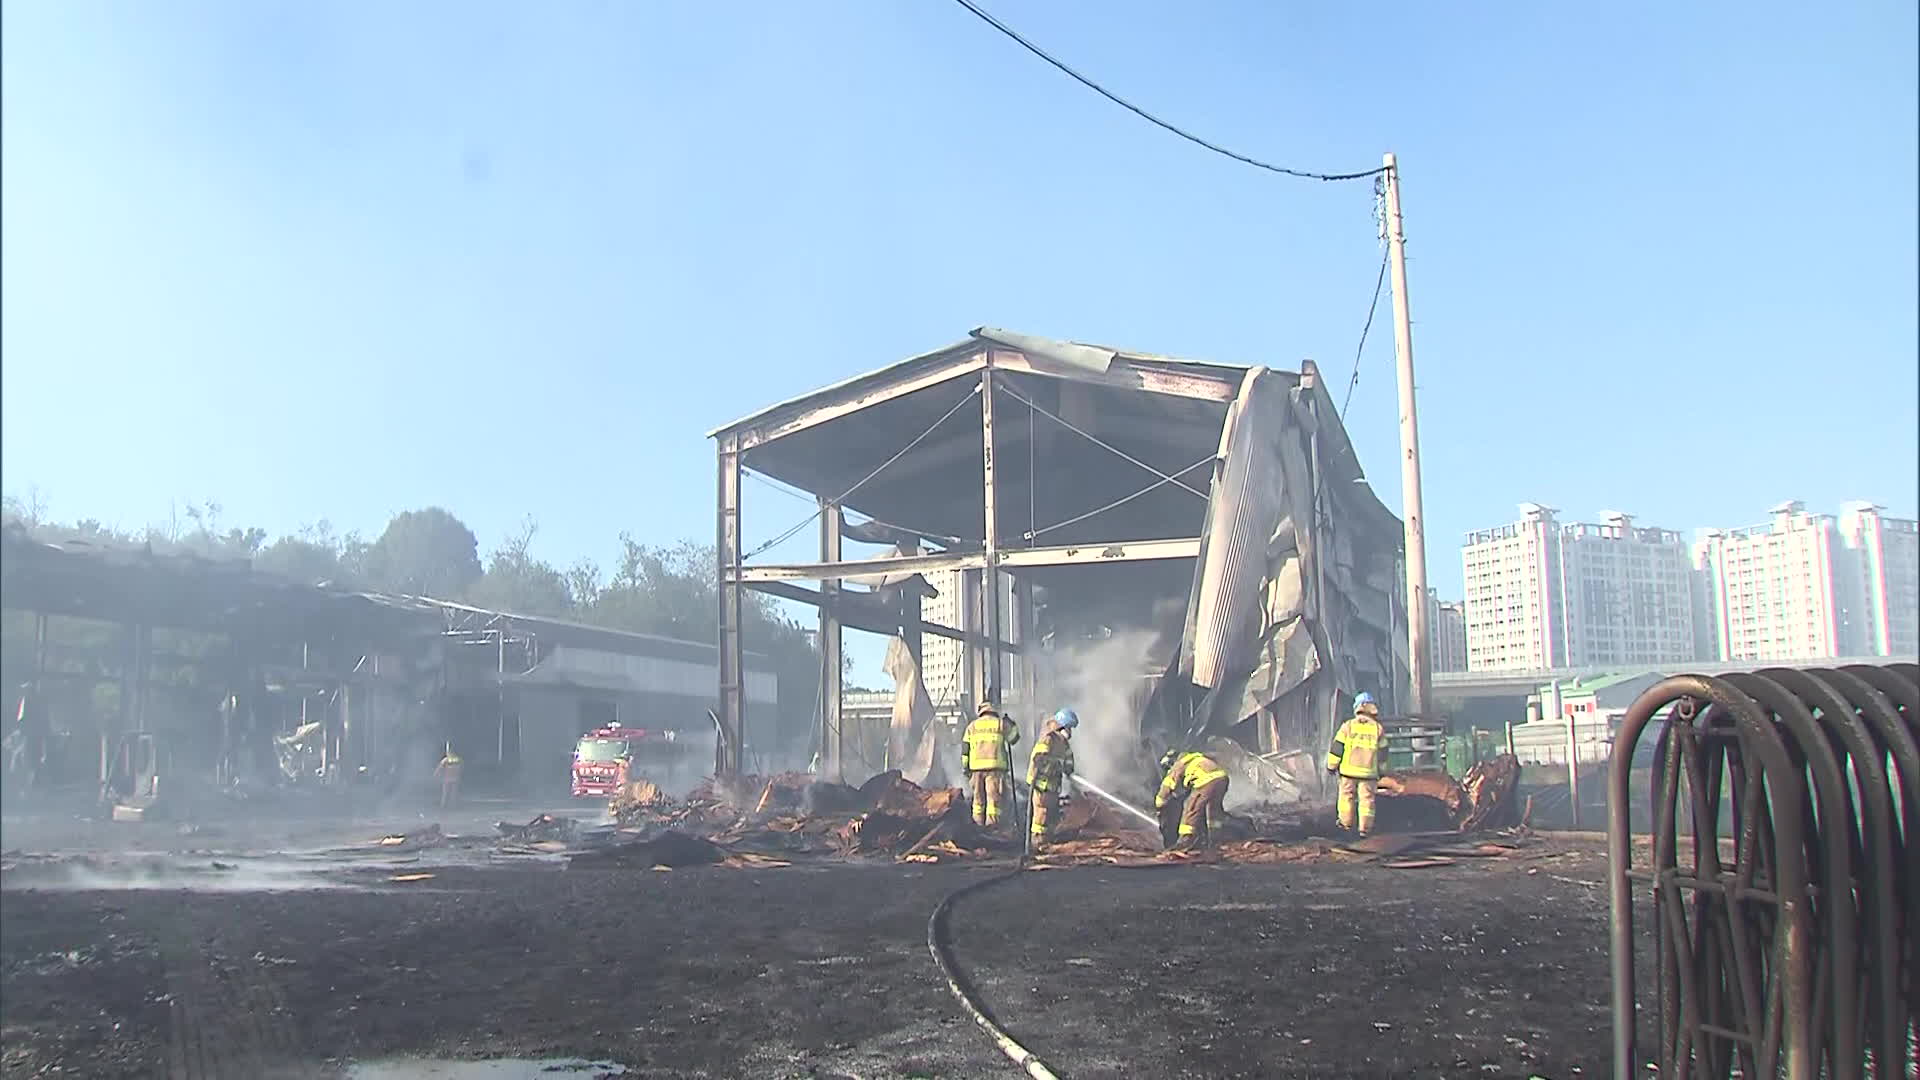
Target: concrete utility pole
(1419,654)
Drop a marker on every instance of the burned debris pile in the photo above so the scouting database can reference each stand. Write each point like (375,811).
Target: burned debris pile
(789,814)
(1433,800)
(766,820)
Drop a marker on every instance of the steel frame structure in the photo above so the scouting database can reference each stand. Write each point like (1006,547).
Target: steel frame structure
(982,557)
(1793,949)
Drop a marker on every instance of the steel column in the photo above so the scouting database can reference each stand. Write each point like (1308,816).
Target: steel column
(732,660)
(832,740)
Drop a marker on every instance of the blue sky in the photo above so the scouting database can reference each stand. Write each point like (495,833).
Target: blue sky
(341,260)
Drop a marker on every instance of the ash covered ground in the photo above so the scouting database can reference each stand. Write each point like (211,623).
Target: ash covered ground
(255,950)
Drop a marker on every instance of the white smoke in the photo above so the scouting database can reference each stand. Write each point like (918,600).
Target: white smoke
(1105,681)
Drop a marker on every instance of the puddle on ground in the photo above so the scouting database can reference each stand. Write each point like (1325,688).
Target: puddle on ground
(493,1069)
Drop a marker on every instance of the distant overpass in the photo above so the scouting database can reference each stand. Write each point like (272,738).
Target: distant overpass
(1460,685)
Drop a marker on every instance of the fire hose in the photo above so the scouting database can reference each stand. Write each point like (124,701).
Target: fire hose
(957,983)
(938,943)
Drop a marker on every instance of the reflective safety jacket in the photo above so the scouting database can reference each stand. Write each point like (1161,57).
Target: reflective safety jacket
(987,744)
(1359,748)
(1190,772)
(1051,763)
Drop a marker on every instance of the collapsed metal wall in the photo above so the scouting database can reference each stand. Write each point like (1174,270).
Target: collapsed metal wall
(1295,589)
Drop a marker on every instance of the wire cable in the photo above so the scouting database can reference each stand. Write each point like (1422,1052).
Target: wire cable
(1372,308)
(1162,482)
(1098,441)
(1149,117)
(882,467)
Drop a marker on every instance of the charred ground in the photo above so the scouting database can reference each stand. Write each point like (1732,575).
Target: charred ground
(1325,966)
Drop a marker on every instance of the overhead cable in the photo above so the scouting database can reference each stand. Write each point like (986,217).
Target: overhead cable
(1123,500)
(1098,441)
(1149,117)
(1371,309)
(858,484)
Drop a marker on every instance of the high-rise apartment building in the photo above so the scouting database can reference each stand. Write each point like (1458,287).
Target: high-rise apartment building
(1883,582)
(1810,586)
(1447,624)
(1543,594)
(940,664)
(1776,590)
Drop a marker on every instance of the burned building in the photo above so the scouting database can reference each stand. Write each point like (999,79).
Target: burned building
(249,680)
(1216,514)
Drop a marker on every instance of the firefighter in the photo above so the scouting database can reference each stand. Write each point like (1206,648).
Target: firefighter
(449,773)
(1050,774)
(986,755)
(1358,751)
(1203,783)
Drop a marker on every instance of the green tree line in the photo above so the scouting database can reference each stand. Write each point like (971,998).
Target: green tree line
(668,591)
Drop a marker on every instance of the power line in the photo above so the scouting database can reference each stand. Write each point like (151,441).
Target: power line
(1102,443)
(1149,117)
(1371,309)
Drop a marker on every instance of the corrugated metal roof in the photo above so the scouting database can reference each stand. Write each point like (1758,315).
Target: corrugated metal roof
(876,375)
(1070,354)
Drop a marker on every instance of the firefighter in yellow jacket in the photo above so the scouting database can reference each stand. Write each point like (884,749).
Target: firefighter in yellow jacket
(1358,752)
(1050,773)
(1203,783)
(986,755)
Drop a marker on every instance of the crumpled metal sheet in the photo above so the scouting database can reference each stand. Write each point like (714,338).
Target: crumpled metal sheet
(1048,353)
(912,744)
(1288,612)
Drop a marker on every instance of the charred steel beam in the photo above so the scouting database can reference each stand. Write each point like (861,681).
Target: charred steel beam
(854,400)
(855,613)
(1013,558)
(731,718)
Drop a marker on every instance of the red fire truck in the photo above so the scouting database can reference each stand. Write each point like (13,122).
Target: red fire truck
(605,757)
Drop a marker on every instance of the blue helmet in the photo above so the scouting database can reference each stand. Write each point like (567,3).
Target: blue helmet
(1067,719)
(1363,698)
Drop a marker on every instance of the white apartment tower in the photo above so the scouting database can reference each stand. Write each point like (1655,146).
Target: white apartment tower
(1776,591)
(1882,575)
(940,657)
(1447,620)
(1542,594)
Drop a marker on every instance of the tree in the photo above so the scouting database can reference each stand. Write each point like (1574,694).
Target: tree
(515,581)
(671,592)
(425,553)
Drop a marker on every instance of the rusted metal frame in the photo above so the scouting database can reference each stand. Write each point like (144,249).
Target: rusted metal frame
(1664,841)
(760,433)
(1012,558)
(731,661)
(1715,909)
(1125,375)
(1741,999)
(1878,880)
(1746,951)
(1888,702)
(832,739)
(1789,958)
(1836,999)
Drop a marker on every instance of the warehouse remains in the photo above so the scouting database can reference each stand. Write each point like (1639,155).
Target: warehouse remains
(1214,514)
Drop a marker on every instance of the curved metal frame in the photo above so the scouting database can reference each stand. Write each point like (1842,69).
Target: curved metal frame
(1798,952)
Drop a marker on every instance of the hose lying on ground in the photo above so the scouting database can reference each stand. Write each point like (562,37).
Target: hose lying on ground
(956,982)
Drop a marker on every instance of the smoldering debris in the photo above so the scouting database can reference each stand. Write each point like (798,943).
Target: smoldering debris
(543,829)
(757,821)
(1430,799)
